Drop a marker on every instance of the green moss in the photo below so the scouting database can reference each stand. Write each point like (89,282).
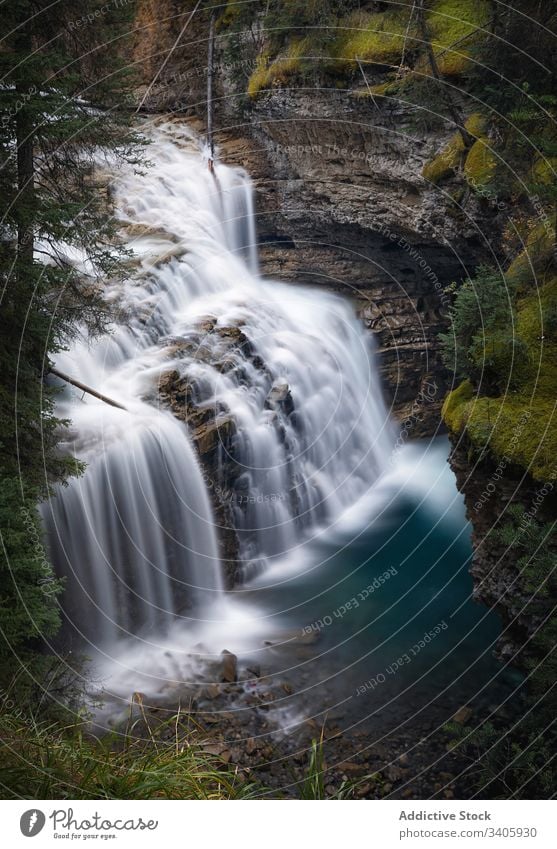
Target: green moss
(476,124)
(480,165)
(389,89)
(377,37)
(521,424)
(230,15)
(446,162)
(275,72)
(383,89)
(544,170)
(536,325)
(536,260)
(260,76)
(520,428)
(380,37)
(517,427)
(454,32)
(455,406)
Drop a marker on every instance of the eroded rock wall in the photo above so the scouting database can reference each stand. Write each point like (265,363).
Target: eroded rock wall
(489,488)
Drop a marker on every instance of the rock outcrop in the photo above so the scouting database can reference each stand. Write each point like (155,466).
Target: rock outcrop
(489,488)
(211,427)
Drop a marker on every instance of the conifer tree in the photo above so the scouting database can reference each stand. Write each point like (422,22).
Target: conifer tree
(61,94)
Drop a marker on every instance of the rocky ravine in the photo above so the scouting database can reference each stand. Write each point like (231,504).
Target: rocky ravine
(341,202)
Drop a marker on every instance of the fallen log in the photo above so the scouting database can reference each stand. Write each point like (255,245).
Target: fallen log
(79,385)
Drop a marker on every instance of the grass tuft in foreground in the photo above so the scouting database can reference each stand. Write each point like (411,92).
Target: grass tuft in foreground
(48,761)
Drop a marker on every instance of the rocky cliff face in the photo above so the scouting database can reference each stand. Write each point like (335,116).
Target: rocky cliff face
(171,68)
(489,488)
(213,428)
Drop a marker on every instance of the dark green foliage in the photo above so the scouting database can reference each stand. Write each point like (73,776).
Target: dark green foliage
(28,590)
(517,759)
(520,49)
(287,19)
(515,77)
(511,763)
(483,343)
(53,64)
(533,546)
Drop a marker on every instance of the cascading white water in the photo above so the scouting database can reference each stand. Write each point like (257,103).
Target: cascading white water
(135,534)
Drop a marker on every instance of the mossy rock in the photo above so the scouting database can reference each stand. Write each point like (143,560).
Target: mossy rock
(536,324)
(517,427)
(535,265)
(456,27)
(480,165)
(371,37)
(520,425)
(544,170)
(476,124)
(276,72)
(455,406)
(446,162)
(521,428)
(449,159)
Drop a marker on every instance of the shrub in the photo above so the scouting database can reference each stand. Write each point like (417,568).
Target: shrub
(513,355)
(482,304)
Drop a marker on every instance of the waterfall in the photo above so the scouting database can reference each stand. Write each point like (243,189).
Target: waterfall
(292,367)
(135,535)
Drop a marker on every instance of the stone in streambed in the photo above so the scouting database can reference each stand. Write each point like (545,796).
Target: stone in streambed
(251,746)
(211,691)
(462,715)
(229,667)
(219,750)
(350,766)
